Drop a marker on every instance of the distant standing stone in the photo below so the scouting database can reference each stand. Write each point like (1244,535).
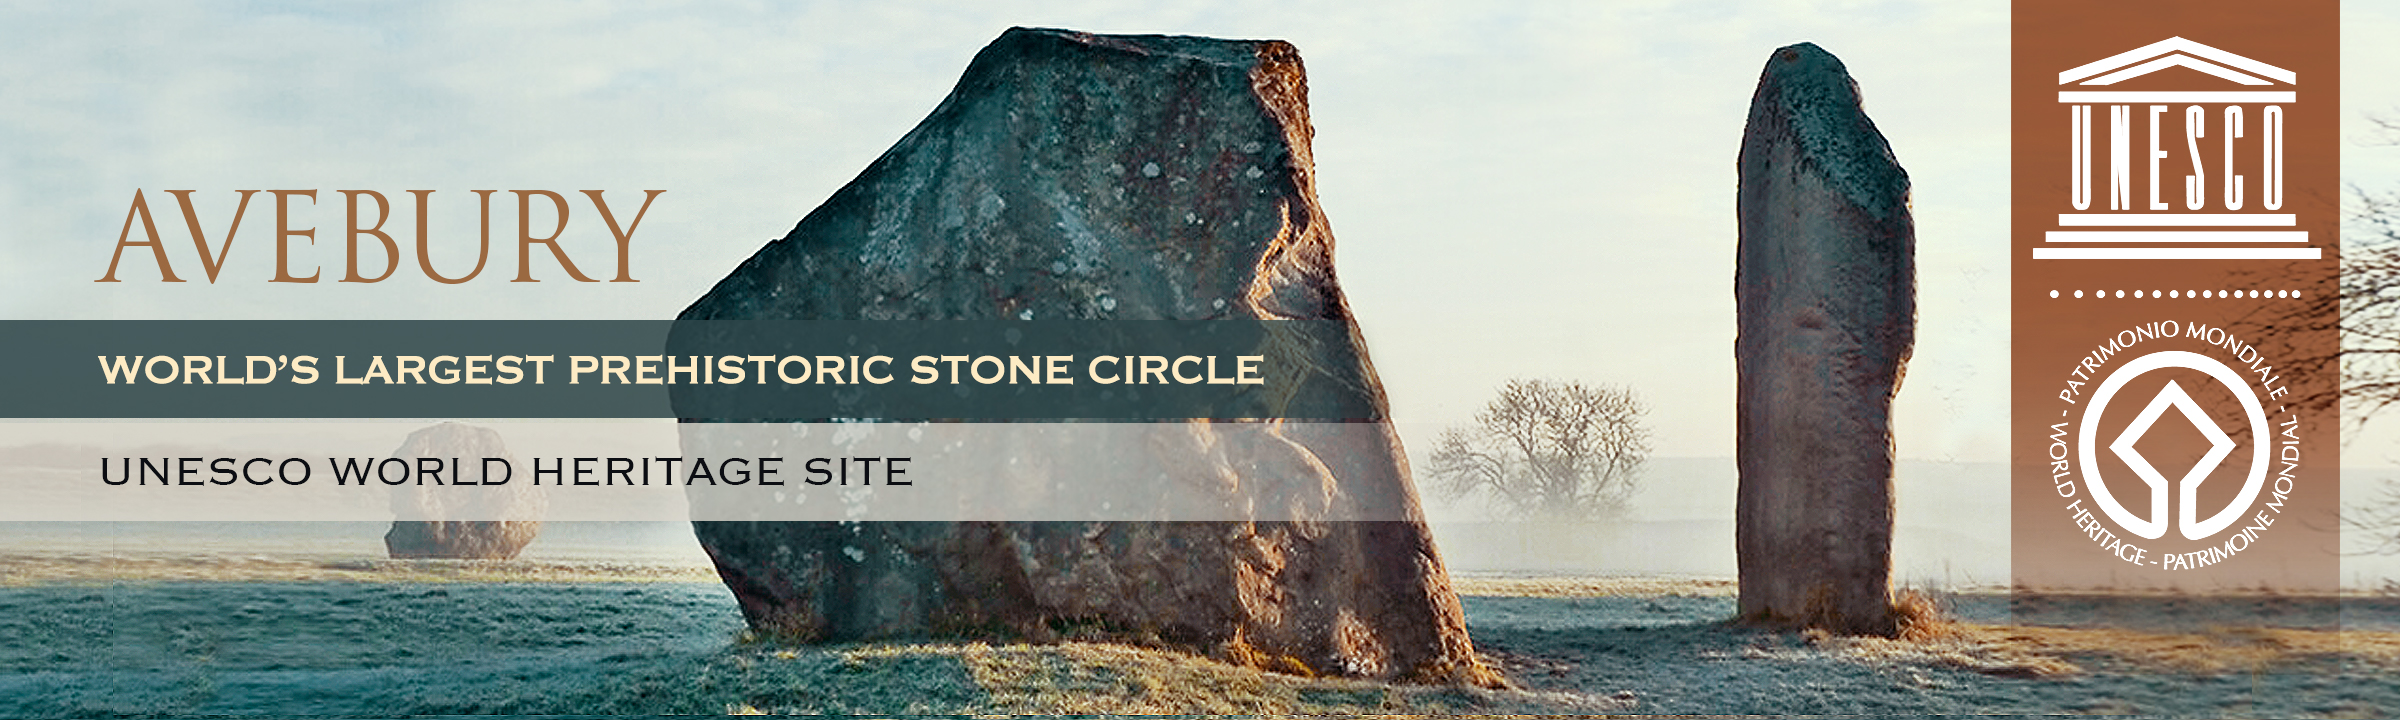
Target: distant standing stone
(1825,296)
(433,521)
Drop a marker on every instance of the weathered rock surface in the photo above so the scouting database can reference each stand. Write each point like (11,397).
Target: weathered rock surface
(1078,176)
(462,522)
(1825,288)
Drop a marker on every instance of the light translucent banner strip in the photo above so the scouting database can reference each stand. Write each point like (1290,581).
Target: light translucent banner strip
(1277,471)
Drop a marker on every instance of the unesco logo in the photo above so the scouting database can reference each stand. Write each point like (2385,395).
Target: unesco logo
(2154,520)
(2175,151)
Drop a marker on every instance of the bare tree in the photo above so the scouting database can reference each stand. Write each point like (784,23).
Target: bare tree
(2369,306)
(2370,312)
(2366,312)
(1547,449)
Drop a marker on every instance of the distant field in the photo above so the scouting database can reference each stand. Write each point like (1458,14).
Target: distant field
(22,569)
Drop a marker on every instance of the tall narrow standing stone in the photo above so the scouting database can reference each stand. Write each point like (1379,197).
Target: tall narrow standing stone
(1098,177)
(1825,293)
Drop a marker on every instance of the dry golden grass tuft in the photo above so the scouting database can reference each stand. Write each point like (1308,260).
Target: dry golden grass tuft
(1929,635)
(1955,645)
(2215,651)
(1920,617)
(1101,679)
(1110,679)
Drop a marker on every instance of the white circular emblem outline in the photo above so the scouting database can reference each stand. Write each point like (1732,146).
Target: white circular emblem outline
(2192,528)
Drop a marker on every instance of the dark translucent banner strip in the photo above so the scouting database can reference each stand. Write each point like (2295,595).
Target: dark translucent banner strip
(712,370)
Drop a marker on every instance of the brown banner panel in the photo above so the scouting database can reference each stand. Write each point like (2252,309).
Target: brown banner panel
(2175,257)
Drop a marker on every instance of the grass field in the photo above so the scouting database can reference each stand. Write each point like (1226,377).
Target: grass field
(256,635)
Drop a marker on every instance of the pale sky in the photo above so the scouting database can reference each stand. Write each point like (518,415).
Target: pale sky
(1545,190)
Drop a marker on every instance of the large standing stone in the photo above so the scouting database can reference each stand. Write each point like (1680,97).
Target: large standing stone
(1079,176)
(1825,288)
(462,521)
